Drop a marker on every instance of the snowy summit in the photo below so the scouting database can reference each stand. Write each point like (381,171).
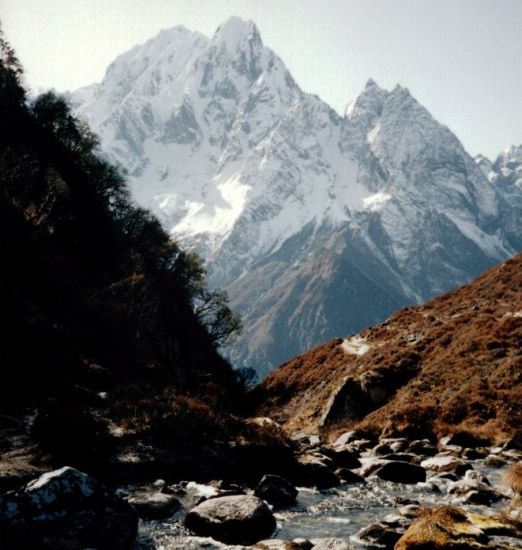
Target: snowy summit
(286,200)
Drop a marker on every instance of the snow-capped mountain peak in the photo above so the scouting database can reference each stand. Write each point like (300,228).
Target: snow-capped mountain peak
(316,224)
(369,103)
(235,32)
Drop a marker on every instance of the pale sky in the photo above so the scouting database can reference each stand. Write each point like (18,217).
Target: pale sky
(462,59)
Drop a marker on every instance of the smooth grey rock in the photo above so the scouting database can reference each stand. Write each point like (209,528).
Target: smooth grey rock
(238,519)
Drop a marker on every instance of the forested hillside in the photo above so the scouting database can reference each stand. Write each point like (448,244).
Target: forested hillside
(87,276)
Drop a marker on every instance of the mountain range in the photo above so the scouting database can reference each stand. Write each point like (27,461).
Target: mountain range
(316,224)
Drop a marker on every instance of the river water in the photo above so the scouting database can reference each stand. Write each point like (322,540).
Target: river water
(343,511)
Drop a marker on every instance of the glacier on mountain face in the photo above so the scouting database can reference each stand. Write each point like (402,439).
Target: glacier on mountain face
(316,224)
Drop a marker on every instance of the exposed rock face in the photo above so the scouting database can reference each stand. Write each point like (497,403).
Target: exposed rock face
(66,509)
(330,222)
(424,373)
(239,519)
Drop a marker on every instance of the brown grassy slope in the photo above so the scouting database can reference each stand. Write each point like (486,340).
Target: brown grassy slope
(465,348)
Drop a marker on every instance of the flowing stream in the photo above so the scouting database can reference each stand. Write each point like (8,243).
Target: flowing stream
(345,510)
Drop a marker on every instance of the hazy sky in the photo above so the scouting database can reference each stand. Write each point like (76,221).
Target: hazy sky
(462,59)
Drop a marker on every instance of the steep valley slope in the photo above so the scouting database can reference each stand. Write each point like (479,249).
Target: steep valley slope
(452,364)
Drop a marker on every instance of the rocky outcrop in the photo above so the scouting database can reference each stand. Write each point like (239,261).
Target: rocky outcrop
(66,509)
(356,397)
(240,519)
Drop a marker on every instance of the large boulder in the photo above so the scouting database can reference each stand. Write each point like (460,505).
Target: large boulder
(66,509)
(238,519)
(276,490)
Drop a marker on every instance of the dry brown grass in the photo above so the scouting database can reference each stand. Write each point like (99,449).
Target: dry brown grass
(468,344)
(513,478)
(448,527)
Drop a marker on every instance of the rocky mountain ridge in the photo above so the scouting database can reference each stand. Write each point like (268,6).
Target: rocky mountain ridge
(317,224)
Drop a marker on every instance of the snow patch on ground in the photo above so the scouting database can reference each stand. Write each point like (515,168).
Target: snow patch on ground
(355,345)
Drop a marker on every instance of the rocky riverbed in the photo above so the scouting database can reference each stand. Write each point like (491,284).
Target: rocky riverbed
(355,493)
(371,512)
